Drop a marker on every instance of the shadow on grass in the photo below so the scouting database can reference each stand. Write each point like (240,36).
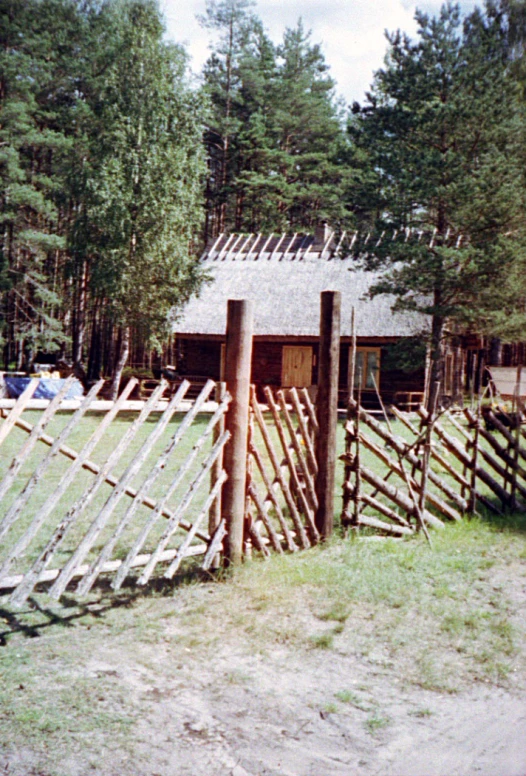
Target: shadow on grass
(38,615)
(507,522)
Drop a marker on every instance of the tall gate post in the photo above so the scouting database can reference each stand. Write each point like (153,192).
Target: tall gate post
(327,409)
(238,357)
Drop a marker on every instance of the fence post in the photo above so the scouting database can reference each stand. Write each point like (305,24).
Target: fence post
(327,409)
(238,356)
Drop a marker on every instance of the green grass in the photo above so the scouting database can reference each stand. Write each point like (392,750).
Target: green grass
(353,699)
(376,723)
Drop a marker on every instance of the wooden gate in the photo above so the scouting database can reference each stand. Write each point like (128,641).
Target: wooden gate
(88,493)
(281,470)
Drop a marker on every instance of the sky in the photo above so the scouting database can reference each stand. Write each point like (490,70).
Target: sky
(351,32)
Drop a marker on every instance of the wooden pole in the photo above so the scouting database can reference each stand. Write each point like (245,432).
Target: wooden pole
(327,409)
(238,358)
(214,516)
(517,419)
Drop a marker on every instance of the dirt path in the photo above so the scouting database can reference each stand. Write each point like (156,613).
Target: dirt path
(279,715)
(237,679)
(292,713)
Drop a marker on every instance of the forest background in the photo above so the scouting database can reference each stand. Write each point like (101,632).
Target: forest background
(115,170)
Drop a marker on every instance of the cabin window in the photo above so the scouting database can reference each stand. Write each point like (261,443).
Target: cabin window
(367,369)
(296,366)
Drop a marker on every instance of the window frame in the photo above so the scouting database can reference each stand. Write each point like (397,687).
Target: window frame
(365,349)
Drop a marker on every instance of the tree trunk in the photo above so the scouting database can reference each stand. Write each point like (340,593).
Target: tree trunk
(495,352)
(121,363)
(436,356)
(79,318)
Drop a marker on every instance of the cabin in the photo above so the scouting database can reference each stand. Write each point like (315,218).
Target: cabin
(284,275)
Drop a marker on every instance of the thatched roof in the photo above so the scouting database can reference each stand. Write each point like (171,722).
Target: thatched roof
(284,275)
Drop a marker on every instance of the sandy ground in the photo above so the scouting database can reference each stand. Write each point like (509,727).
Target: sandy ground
(277,715)
(247,707)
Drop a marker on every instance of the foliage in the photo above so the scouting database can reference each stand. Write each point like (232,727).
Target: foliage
(408,354)
(101,171)
(35,109)
(275,139)
(437,140)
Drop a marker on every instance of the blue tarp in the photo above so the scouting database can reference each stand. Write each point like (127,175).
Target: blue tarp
(47,387)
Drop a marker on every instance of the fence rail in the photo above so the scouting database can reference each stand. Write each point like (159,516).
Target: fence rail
(118,502)
(281,495)
(440,470)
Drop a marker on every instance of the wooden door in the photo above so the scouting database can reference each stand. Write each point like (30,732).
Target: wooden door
(296,366)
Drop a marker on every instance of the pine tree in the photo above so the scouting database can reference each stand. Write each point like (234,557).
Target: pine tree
(276,142)
(438,136)
(234,22)
(308,177)
(35,96)
(101,172)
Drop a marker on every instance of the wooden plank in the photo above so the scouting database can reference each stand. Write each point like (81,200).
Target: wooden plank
(296,518)
(157,469)
(214,517)
(257,540)
(311,454)
(272,535)
(173,524)
(48,575)
(380,525)
(214,546)
(56,445)
(490,460)
(32,439)
(272,498)
(182,551)
(461,479)
(384,510)
(87,497)
(238,360)
(93,467)
(107,510)
(291,467)
(401,447)
(303,398)
(160,507)
(296,443)
(398,496)
(501,451)
(454,446)
(24,590)
(100,406)
(506,433)
(395,466)
(18,409)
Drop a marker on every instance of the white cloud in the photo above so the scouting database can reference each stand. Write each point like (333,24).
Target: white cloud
(351,31)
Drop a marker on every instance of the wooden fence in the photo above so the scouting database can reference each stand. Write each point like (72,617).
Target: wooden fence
(121,501)
(439,469)
(84,494)
(281,471)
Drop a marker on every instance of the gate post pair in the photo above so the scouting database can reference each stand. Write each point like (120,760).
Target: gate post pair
(238,358)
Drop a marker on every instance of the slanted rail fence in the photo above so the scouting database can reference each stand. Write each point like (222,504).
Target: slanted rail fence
(120,494)
(443,467)
(85,494)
